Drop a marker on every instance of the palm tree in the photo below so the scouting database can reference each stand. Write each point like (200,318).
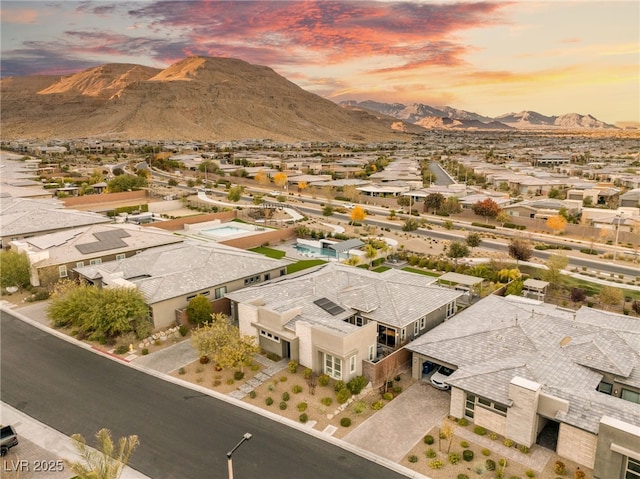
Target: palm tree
(108,462)
(370,252)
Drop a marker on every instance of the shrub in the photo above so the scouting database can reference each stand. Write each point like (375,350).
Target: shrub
(486,452)
(345,422)
(397,378)
(238,375)
(464,444)
(493,436)
(431,453)
(529,473)
(323,379)
(297,389)
(255,366)
(307,373)
(326,401)
(293,367)
(204,359)
(490,464)
(523,449)
(181,371)
(397,390)
(508,442)
(268,401)
(359,407)
(387,396)
(436,464)
(467,455)
(283,379)
(217,382)
(302,406)
(479,430)
(454,458)
(252,394)
(463,476)
(343,395)
(303,417)
(230,381)
(122,349)
(428,439)
(412,458)
(463,422)
(357,384)
(183,330)
(145,351)
(559,468)
(377,405)
(503,462)
(579,474)
(285,396)
(338,385)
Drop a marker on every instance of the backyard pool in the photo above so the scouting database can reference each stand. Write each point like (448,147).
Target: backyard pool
(314,251)
(225,231)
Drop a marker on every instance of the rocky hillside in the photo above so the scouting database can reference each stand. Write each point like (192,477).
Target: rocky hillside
(448,117)
(198,98)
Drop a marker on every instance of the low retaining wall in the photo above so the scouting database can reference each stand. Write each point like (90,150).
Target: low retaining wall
(101,199)
(271,236)
(178,223)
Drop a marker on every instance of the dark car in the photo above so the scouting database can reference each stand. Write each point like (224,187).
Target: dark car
(8,439)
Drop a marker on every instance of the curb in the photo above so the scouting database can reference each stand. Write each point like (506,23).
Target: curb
(393,466)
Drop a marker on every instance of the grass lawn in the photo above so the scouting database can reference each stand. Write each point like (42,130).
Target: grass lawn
(303,264)
(270,252)
(421,271)
(381,269)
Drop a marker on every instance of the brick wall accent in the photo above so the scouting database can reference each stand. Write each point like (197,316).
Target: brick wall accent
(270,236)
(577,445)
(178,223)
(87,200)
(388,366)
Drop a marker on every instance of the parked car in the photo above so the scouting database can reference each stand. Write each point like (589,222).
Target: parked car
(8,439)
(439,377)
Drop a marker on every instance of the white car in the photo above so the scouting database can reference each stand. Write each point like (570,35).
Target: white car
(439,377)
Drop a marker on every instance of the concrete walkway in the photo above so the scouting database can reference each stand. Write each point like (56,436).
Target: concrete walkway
(168,359)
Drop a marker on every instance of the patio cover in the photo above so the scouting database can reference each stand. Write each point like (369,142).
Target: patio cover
(535,284)
(458,278)
(346,245)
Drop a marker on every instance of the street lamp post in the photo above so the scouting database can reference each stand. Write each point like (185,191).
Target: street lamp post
(246,437)
(615,246)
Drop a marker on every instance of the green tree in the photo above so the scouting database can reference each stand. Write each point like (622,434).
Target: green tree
(520,249)
(451,206)
(126,183)
(235,193)
(327,210)
(108,461)
(457,249)
(553,274)
(410,224)
(199,310)
(610,296)
(487,208)
(14,269)
(403,201)
(473,240)
(433,201)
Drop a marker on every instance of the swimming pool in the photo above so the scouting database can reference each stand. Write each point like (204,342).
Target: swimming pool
(226,231)
(314,251)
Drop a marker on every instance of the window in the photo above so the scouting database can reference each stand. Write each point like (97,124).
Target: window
(253,279)
(451,309)
(372,352)
(204,293)
(63,271)
(283,272)
(220,292)
(352,364)
(632,469)
(267,277)
(469,405)
(403,334)
(605,387)
(269,335)
(333,366)
(631,396)
(79,264)
(95,261)
(120,256)
(416,328)
(488,404)
(423,322)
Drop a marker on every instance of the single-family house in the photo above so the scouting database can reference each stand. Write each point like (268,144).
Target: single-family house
(54,256)
(170,276)
(527,370)
(337,316)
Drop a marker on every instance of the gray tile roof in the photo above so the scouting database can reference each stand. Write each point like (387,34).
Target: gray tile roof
(396,299)
(175,270)
(559,350)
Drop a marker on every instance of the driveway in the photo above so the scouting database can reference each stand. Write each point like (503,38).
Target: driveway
(394,430)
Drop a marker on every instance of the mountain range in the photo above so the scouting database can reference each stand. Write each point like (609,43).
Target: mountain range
(448,117)
(215,99)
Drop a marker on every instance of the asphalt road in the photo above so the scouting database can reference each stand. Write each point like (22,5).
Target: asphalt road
(183,433)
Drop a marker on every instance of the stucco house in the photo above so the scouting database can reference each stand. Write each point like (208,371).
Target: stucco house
(54,256)
(527,370)
(170,276)
(335,317)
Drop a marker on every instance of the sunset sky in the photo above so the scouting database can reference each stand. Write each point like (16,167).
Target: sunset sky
(491,58)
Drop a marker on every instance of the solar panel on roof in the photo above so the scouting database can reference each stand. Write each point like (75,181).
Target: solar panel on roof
(107,240)
(329,306)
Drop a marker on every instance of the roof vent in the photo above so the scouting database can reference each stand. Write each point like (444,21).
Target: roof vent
(566,340)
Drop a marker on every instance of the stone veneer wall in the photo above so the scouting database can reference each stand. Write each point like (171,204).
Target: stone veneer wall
(577,445)
(490,420)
